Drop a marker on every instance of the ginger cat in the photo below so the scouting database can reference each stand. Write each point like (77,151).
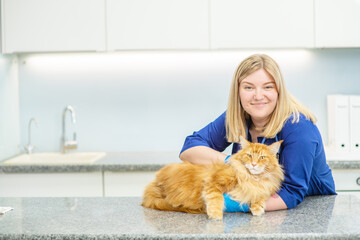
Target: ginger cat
(252,177)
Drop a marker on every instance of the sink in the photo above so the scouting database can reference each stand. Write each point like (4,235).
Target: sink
(54,158)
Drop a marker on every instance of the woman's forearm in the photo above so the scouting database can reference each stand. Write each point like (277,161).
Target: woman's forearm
(202,155)
(275,202)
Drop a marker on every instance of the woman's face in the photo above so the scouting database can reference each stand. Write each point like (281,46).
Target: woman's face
(258,96)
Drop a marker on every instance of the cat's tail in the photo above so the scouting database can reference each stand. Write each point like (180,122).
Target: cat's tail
(153,198)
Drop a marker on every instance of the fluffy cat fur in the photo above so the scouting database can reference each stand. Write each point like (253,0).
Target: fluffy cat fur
(252,177)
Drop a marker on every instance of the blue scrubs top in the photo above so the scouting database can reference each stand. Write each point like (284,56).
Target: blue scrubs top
(302,156)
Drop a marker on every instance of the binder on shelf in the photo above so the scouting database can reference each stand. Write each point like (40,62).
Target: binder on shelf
(354,123)
(339,123)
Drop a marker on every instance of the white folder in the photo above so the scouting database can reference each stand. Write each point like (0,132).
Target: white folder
(355,123)
(339,123)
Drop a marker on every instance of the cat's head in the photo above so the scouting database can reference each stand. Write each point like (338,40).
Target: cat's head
(256,157)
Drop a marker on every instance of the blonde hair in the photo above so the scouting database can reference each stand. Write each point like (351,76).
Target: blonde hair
(286,105)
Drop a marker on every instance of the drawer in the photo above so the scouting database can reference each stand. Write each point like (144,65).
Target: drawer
(126,184)
(86,184)
(348,179)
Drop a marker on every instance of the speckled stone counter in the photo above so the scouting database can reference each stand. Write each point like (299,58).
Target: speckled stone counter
(344,164)
(130,161)
(319,217)
(125,161)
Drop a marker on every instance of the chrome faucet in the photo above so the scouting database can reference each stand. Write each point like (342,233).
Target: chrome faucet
(29,147)
(67,145)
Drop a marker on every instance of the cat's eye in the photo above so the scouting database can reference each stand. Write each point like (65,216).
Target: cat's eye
(262,157)
(249,155)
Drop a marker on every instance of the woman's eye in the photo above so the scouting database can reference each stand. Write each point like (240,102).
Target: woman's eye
(269,87)
(247,87)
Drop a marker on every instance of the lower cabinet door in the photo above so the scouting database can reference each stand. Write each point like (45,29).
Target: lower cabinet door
(354,193)
(51,184)
(346,179)
(121,184)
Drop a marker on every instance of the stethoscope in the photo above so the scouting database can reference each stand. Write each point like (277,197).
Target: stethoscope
(264,139)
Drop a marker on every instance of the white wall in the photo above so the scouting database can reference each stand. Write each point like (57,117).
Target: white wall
(9,107)
(150,101)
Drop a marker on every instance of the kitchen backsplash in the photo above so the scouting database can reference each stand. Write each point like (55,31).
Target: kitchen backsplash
(9,107)
(150,101)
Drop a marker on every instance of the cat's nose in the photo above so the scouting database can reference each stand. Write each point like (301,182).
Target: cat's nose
(253,164)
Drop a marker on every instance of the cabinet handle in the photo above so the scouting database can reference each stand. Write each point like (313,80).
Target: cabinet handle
(358,181)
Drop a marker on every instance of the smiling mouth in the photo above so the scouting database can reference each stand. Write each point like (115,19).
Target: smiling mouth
(258,104)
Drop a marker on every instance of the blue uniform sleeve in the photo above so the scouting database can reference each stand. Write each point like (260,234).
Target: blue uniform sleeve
(213,136)
(297,157)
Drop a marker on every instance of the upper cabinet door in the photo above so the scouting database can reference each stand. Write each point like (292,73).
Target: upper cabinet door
(262,24)
(157,24)
(337,23)
(53,25)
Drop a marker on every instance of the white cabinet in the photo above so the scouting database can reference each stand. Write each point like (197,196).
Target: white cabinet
(347,181)
(110,25)
(261,24)
(157,24)
(337,23)
(51,184)
(53,25)
(121,184)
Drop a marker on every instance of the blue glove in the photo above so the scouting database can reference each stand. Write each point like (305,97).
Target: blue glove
(233,206)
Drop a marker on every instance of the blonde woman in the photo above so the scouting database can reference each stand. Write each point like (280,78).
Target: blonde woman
(261,109)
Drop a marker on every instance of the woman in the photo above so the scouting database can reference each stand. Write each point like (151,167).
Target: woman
(261,109)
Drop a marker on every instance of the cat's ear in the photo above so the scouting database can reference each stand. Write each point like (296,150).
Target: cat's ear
(274,148)
(243,142)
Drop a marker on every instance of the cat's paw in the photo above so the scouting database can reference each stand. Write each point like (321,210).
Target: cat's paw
(257,211)
(215,215)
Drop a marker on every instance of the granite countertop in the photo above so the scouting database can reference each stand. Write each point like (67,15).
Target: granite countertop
(131,161)
(318,217)
(120,161)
